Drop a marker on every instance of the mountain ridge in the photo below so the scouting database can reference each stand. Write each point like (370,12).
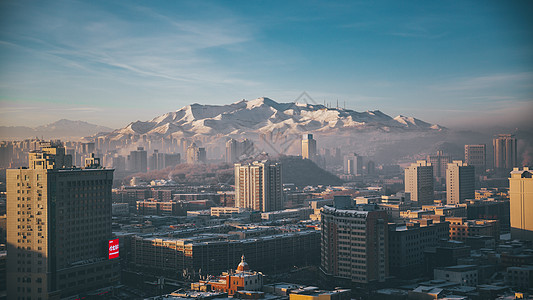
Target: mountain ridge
(264,115)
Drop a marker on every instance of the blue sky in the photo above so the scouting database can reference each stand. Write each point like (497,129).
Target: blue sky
(456,63)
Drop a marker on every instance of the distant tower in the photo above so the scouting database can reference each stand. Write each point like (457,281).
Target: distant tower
(476,156)
(196,154)
(521,194)
(308,147)
(419,182)
(439,162)
(137,160)
(460,182)
(231,151)
(258,186)
(353,164)
(505,155)
(236,149)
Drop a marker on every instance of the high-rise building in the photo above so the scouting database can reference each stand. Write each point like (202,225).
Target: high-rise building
(460,182)
(232,151)
(138,160)
(236,149)
(476,155)
(156,161)
(439,162)
(354,245)
(505,155)
(196,154)
(258,186)
(419,182)
(353,164)
(521,194)
(408,242)
(308,147)
(59,229)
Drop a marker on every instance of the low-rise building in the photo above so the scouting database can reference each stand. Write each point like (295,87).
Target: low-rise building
(461,274)
(461,228)
(408,242)
(520,277)
(242,279)
(293,213)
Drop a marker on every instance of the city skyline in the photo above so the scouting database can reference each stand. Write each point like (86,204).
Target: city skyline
(460,65)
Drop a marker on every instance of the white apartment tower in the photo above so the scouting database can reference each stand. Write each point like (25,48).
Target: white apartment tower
(258,186)
(419,182)
(460,182)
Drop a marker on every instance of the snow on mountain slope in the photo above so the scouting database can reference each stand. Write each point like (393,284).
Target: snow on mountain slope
(263,115)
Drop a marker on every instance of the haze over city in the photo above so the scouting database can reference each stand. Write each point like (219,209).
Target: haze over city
(297,150)
(460,64)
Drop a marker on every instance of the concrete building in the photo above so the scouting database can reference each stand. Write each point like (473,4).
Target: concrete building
(211,254)
(196,154)
(419,182)
(461,228)
(520,278)
(138,160)
(302,213)
(227,212)
(235,150)
(154,207)
(476,155)
(353,164)
(439,162)
(354,245)
(505,151)
(308,147)
(460,182)
(465,275)
(59,229)
(408,242)
(258,186)
(521,194)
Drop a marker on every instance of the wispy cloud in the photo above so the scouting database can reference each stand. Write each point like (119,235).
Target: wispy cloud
(523,79)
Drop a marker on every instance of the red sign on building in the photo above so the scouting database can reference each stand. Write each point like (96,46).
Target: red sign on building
(113,248)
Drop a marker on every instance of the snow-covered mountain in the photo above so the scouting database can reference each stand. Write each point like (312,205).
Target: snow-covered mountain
(265,116)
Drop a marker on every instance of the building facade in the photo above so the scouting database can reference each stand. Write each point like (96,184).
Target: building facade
(419,182)
(408,242)
(354,245)
(521,194)
(460,182)
(59,229)
(308,147)
(138,160)
(461,228)
(476,155)
(258,186)
(196,154)
(353,164)
(439,162)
